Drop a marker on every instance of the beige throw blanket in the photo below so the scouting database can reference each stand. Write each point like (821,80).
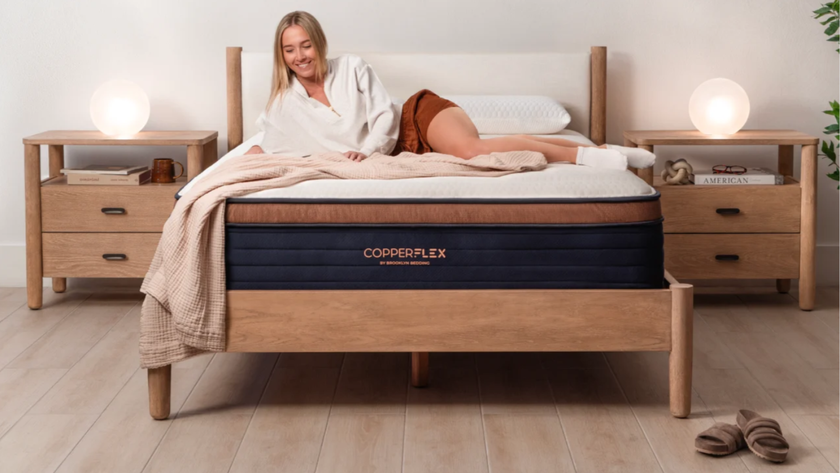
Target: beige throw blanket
(184,311)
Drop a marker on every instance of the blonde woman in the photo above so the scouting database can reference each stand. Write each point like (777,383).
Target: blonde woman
(340,105)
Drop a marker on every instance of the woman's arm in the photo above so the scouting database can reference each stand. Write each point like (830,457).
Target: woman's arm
(383,122)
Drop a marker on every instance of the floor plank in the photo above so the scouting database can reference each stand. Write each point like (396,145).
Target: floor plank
(443,425)
(362,443)
(311,360)
(39,443)
(644,380)
(726,391)
(287,430)
(12,300)
(74,336)
(802,331)
(826,307)
(793,383)
(822,431)
(709,350)
(573,360)
(372,385)
(518,389)
(519,443)
(602,432)
(727,313)
(126,421)
(23,327)
(20,390)
(93,382)
(207,433)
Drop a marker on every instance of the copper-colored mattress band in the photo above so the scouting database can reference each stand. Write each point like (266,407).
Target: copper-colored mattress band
(449,213)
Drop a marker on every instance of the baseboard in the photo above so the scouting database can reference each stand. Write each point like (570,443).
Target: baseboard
(13,269)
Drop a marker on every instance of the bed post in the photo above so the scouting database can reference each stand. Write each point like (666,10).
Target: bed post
(160,381)
(234,97)
(680,358)
(420,369)
(598,95)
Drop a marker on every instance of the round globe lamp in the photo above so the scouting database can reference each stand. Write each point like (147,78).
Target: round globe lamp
(119,108)
(719,107)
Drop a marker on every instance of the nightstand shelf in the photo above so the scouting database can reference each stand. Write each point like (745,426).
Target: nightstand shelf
(741,232)
(98,231)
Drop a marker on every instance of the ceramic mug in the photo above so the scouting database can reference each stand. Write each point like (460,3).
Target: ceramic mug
(163,170)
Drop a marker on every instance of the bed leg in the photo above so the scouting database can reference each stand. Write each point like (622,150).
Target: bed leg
(160,381)
(420,369)
(682,329)
(783,286)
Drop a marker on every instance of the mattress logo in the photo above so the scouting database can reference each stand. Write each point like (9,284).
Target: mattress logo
(405,253)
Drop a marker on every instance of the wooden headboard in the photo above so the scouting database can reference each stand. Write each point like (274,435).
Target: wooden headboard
(578,81)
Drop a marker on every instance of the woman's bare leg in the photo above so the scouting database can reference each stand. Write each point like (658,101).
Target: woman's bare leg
(558,141)
(453,132)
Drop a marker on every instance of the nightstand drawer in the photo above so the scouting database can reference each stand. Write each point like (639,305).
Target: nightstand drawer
(747,209)
(732,256)
(145,208)
(100,255)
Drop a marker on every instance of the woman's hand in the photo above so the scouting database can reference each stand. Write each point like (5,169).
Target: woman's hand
(354,156)
(255,150)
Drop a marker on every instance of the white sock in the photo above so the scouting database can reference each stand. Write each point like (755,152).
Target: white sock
(636,157)
(601,158)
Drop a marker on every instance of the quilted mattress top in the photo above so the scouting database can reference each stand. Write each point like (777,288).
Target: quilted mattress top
(558,182)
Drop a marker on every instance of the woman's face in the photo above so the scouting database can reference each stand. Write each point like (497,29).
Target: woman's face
(298,52)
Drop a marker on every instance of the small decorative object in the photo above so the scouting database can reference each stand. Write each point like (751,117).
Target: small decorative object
(163,170)
(719,107)
(119,108)
(677,172)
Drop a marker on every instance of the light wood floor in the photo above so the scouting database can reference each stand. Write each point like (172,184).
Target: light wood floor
(72,399)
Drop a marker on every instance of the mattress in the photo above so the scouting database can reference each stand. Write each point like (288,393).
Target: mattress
(560,228)
(563,227)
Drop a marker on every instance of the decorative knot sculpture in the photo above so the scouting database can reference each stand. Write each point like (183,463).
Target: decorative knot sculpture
(677,172)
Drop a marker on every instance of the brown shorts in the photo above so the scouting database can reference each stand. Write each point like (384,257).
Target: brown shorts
(417,113)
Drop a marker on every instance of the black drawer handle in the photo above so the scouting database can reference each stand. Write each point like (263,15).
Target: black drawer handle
(726,257)
(114,257)
(113,211)
(728,211)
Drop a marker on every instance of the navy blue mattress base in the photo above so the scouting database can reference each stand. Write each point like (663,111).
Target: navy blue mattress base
(603,256)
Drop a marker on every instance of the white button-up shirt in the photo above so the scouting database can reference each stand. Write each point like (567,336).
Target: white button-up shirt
(362,117)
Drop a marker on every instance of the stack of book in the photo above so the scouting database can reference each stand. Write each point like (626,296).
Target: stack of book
(753,176)
(105,175)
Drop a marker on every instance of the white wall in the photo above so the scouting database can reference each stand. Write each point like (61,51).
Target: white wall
(53,55)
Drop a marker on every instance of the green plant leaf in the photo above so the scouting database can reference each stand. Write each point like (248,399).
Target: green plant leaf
(832,129)
(834,175)
(832,28)
(823,10)
(828,151)
(835,38)
(827,20)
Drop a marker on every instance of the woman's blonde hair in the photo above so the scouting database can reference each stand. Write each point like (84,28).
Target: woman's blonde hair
(282,77)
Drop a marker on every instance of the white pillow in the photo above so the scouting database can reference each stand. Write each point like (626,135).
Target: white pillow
(513,114)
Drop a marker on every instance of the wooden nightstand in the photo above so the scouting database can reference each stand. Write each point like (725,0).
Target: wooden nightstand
(69,229)
(742,232)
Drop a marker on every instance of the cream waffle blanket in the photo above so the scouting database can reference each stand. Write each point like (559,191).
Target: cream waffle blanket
(184,311)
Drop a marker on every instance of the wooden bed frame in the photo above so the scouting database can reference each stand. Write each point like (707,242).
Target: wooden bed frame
(423,321)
